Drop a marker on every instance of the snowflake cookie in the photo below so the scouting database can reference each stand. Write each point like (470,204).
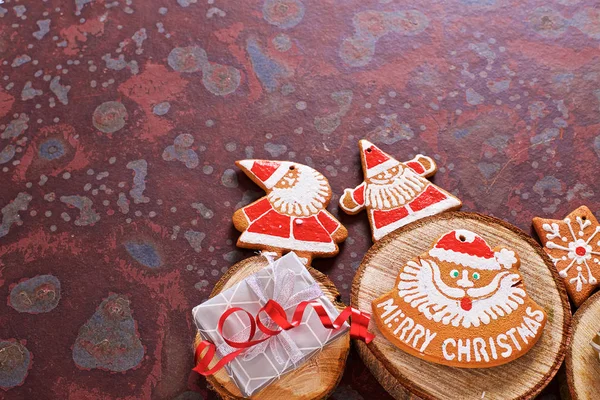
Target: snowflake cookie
(573,245)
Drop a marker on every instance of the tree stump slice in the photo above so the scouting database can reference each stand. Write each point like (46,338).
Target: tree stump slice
(314,379)
(582,363)
(522,378)
(385,379)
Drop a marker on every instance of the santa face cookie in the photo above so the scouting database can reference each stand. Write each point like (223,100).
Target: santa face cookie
(292,216)
(461,304)
(573,244)
(395,193)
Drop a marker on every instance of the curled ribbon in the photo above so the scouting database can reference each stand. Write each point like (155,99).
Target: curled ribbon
(283,292)
(358,330)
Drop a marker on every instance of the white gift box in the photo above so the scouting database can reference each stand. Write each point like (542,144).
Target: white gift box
(288,282)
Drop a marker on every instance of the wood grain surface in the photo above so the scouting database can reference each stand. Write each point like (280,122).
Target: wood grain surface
(316,378)
(582,363)
(520,379)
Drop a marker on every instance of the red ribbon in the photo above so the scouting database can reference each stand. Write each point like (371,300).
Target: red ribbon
(359,323)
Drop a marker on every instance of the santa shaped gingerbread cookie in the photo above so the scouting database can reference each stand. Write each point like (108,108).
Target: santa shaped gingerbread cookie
(461,304)
(573,245)
(395,193)
(292,216)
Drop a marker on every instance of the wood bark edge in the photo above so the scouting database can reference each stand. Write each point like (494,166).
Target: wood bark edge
(328,288)
(403,380)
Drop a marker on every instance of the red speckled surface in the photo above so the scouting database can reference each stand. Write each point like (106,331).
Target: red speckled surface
(120,122)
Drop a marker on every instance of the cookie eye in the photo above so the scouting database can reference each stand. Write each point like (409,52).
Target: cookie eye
(454,273)
(476,275)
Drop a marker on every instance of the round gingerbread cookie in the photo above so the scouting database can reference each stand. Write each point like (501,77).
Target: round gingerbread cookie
(461,303)
(462,290)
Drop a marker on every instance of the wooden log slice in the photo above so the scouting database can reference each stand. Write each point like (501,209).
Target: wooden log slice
(582,363)
(522,378)
(314,379)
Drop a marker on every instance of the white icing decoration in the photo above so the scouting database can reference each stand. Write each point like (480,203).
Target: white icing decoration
(403,188)
(421,286)
(563,274)
(506,258)
(552,245)
(579,280)
(302,201)
(583,224)
(570,251)
(441,206)
(306,197)
(287,243)
(391,185)
(552,229)
(464,259)
(467,236)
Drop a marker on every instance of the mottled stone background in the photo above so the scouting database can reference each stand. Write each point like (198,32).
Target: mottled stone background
(120,122)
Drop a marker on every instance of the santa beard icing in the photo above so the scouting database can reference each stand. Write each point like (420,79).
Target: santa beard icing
(399,187)
(422,287)
(301,192)
(462,304)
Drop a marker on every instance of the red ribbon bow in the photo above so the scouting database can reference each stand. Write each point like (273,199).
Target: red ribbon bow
(358,330)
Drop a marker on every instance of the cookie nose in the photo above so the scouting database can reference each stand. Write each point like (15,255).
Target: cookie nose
(464,280)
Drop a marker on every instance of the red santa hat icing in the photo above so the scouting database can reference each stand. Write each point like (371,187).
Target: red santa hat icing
(266,172)
(374,160)
(470,250)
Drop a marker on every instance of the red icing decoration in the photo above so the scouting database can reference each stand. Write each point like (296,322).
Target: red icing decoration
(272,223)
(580,251)
(374,157)
(358,330)
(477,248)
(466,303)
(359,195)
(328,223)
(253,211)
(264,169)
(430,196)
(310,230)
(384,218)
(416,166)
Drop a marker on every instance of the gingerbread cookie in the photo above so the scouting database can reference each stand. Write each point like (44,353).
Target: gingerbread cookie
(461,304)
(292,216)
(573,244)
(395,193)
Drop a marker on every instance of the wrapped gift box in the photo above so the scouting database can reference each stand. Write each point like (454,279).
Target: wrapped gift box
(288,282)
